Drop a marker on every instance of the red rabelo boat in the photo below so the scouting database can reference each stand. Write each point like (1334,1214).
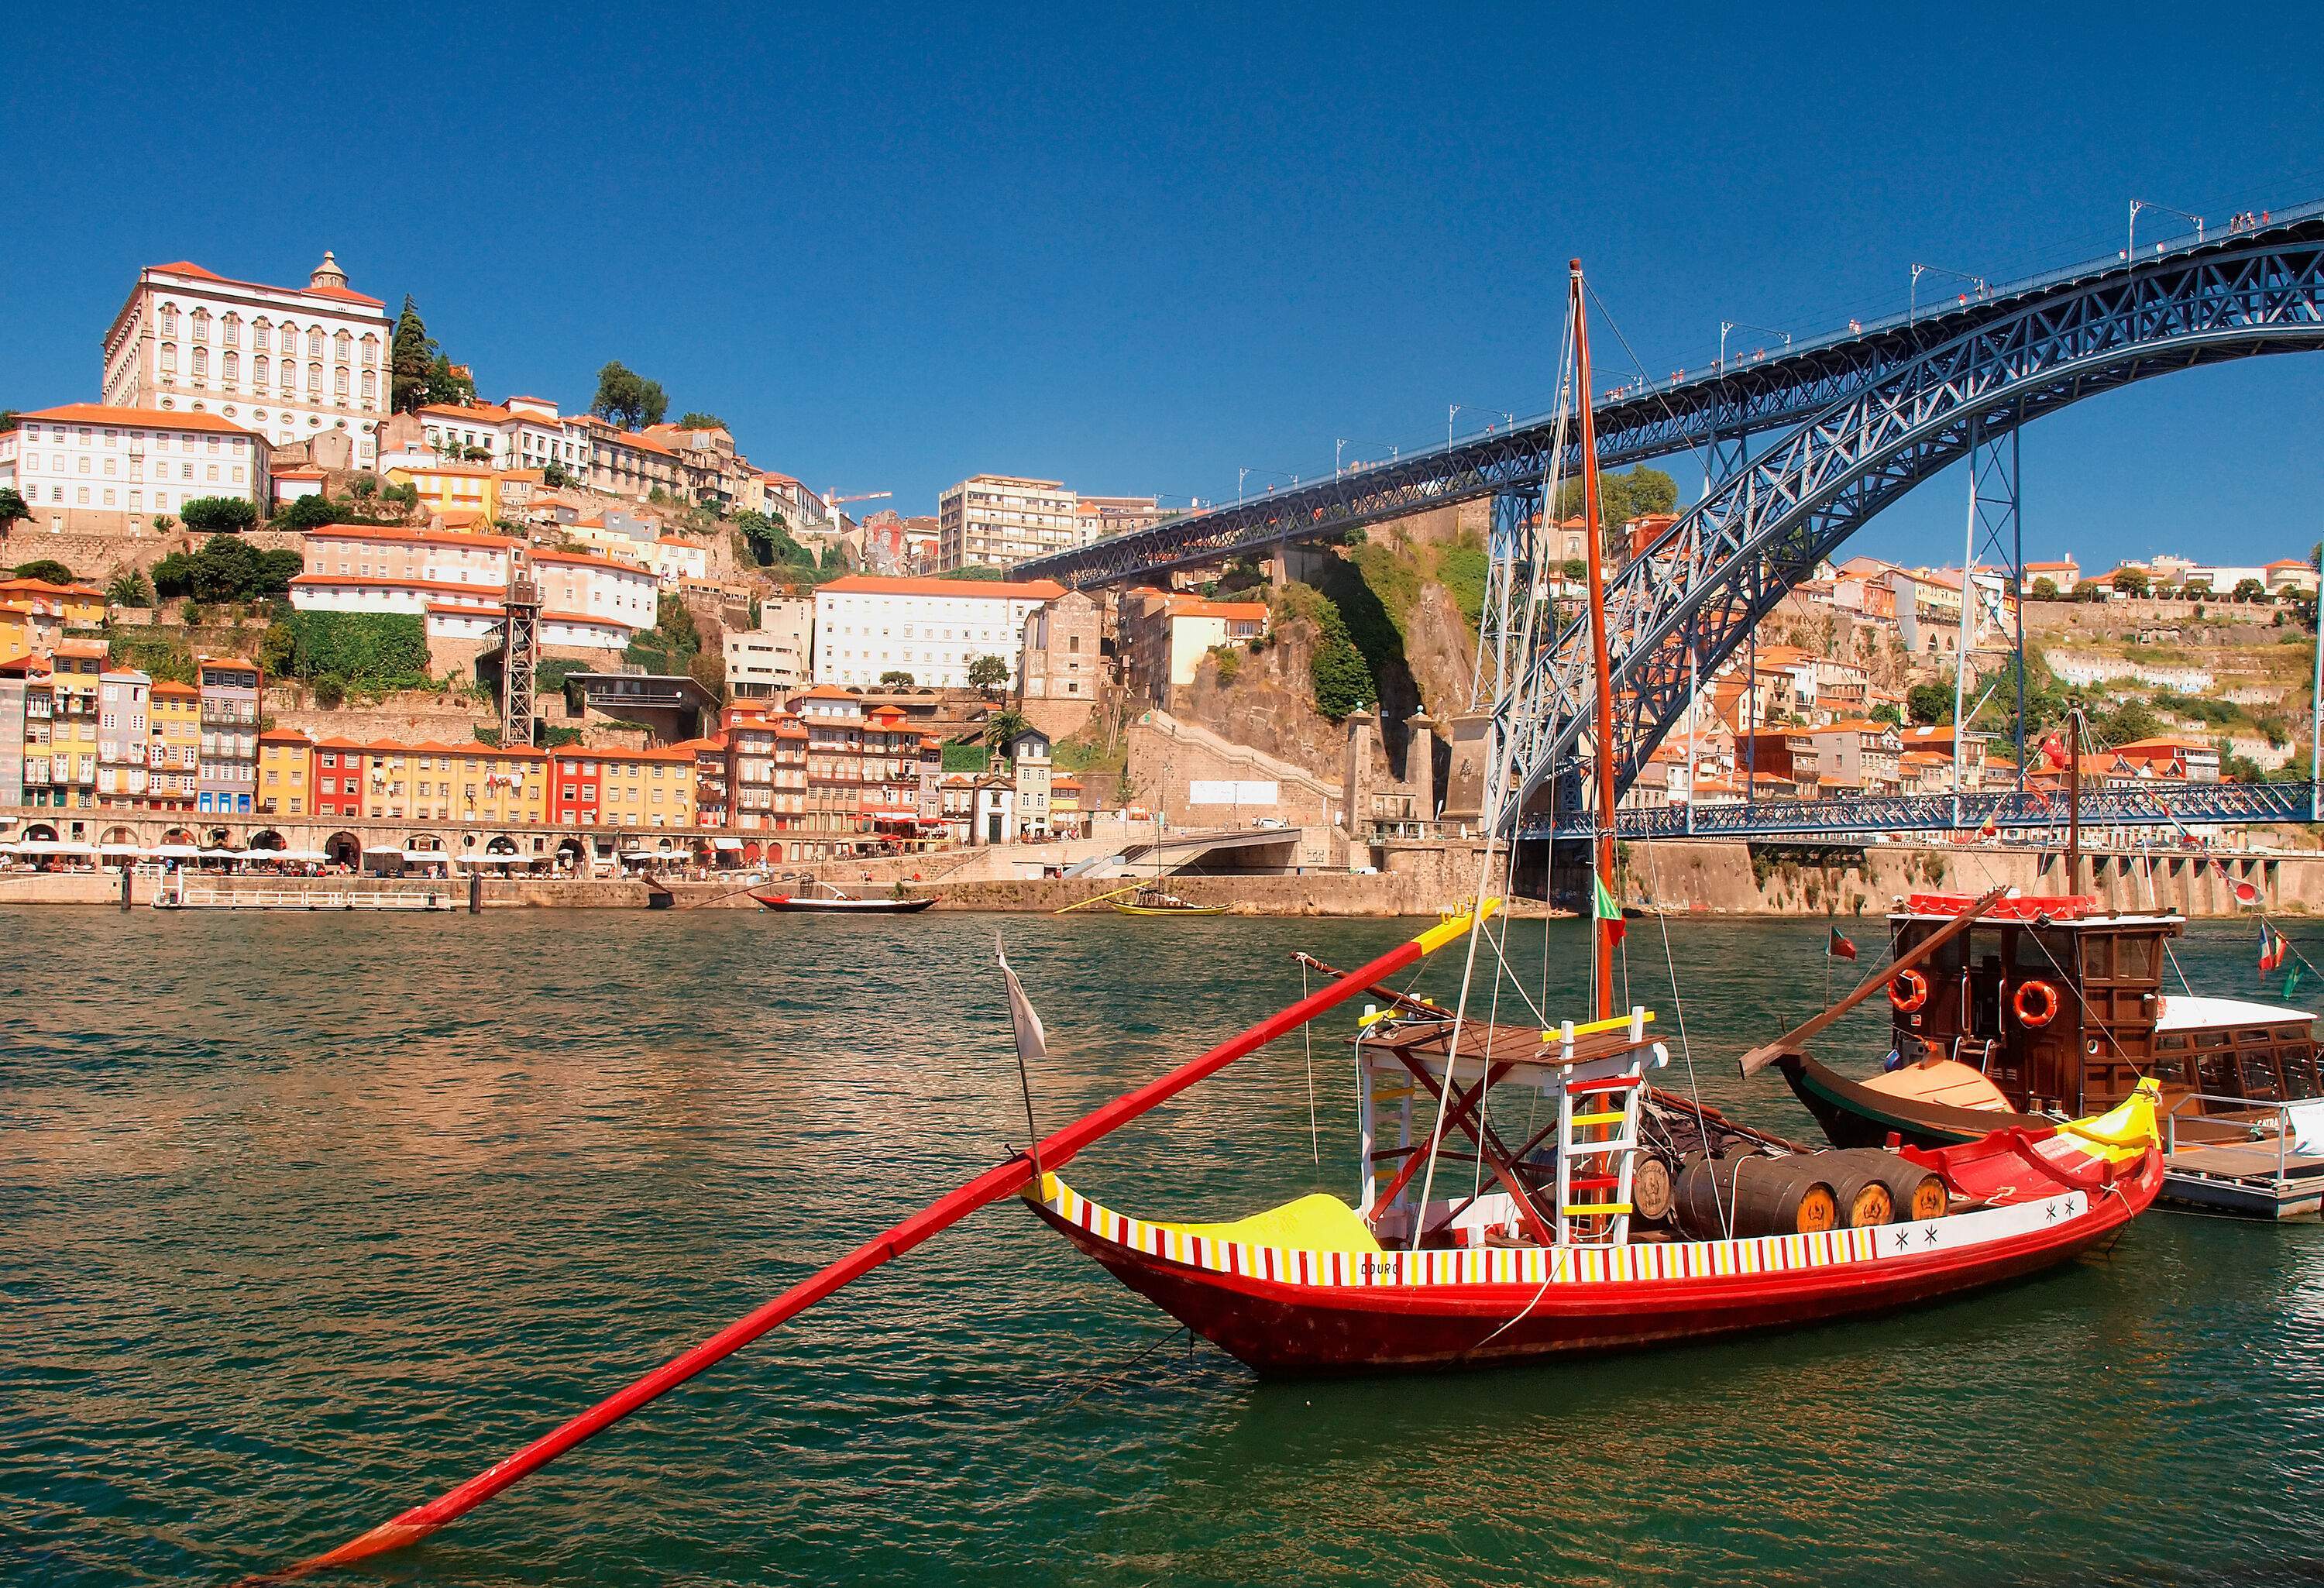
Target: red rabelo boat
(1631,1216)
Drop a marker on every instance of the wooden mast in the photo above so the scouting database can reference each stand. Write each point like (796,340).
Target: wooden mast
(2073,800)
(1603,858)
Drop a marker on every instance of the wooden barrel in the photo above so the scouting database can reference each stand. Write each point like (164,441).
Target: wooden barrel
(1651,1191)
(1756,1196)
(1915,1192)
(1858,1188)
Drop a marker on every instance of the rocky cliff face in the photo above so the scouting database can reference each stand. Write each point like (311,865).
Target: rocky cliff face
(1401,595)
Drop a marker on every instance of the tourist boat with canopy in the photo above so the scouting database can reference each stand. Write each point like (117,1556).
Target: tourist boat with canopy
(1627,1214)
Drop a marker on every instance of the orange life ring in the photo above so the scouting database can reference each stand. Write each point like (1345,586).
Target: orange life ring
(1908,990)
(2048,998)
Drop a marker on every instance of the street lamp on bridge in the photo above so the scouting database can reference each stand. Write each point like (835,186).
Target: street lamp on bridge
(2130,254)
(1726,326)
(1913,305)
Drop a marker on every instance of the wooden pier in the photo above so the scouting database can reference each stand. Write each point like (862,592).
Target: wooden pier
(2250,1165)
(306,899)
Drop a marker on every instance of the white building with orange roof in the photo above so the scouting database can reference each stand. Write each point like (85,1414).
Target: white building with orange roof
(2291,575)
(2064,575)
(2175,759)
(288,362)
(516,433)
(457,581)
(866,627)
(89,468)
(1164,635)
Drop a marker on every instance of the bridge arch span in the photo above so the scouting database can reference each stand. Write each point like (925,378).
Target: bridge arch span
(1686,602)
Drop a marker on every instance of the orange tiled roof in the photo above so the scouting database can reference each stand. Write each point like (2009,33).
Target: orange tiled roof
(151,419)
(990,589)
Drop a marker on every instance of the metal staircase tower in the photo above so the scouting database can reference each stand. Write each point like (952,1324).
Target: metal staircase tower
(520,651)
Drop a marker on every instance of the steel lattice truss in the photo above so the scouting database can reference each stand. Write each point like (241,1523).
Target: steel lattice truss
(1749,396)
(2175,805)
(1690,598)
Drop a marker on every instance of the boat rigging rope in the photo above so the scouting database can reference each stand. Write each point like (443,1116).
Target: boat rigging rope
(1307,1041)
(1507,708)
(1685,1048)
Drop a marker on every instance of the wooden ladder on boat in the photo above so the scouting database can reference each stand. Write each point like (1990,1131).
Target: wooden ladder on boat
(1598,1133)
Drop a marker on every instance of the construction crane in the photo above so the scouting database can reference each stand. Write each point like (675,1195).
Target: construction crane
(832,500)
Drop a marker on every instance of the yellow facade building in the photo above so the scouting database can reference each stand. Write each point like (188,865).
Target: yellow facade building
(173,740)
(645,788)
(477,783)
(286,761)
(74,666)
(453,488)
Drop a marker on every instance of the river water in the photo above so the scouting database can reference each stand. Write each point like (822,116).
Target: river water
(308,1218)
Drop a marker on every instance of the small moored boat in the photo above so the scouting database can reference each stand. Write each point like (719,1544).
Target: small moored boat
(832,901)
(1155,901)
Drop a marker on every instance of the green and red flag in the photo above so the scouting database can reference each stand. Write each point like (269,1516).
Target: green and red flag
(1839,948)
(1602,907)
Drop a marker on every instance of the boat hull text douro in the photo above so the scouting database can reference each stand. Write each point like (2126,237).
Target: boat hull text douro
(1289,1311)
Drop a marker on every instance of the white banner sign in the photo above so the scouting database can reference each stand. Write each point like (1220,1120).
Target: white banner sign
(1233,792)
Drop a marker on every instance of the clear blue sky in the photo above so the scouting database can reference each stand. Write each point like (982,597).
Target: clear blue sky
(1140,251)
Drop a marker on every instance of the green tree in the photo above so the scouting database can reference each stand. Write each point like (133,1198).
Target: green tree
(448,383)
(374,649)
(708,669)
(1337,673)
(2130,581)
(693,420)
(2045,589)
(628,398)
(1886,712)
(47,570)
(218,515)
(2128,723)
(276,648)
(553,476)
(1003,726)
(1622,497)
(411,356)
(306,512)
(1929,703)
(895,679)
(2250,590)
(130,587)
(12,506)
(227,568)
(987,672)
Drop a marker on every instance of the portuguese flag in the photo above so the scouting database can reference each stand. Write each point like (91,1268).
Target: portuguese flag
(1604,908)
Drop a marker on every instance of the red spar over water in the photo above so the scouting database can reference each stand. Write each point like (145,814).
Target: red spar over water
(1001,1180)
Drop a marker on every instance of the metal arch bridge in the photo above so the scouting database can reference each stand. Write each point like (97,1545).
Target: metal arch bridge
(1713,410)
(1856,818)
(1690,598)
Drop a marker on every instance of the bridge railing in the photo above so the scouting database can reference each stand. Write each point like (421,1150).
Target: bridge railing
(2167,808)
